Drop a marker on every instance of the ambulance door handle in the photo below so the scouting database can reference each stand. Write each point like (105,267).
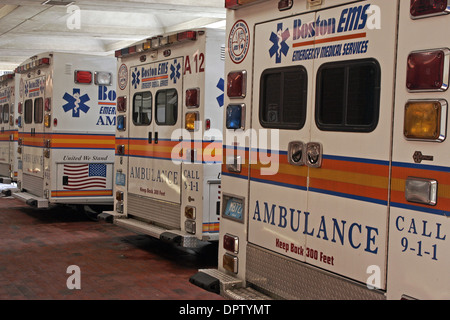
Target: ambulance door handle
(156,137)
(296,153)
(314,154)
(149,137)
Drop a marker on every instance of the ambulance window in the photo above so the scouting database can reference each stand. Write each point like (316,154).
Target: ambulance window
(166,107)
(28,111)
(38,110)
(348,96)
(283,98)
(142,108)
(6,113)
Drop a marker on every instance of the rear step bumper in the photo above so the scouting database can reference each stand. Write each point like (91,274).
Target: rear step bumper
(5,180)
(227,286)
(31,200)
(173,236)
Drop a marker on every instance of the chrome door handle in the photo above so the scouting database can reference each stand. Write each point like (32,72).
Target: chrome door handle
(314,155)
(296,153)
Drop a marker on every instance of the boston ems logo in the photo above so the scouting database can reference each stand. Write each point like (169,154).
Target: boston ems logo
(279,47)
(239,41)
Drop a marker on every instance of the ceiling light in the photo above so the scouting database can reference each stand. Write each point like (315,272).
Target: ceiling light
(58,3)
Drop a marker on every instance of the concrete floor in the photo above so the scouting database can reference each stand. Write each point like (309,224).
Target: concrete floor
(38,246)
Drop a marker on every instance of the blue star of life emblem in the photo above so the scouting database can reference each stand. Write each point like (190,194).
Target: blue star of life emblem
(175,71)
(76,102)
(221,87)
(135,82)
(279,43)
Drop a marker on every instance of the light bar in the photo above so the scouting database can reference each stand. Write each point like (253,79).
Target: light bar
(157,42)
(6,77)
(187,35)
(234,4)
(35,64)
(285,4)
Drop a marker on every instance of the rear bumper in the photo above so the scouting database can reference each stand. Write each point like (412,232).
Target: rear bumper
(173,236)
(31,199)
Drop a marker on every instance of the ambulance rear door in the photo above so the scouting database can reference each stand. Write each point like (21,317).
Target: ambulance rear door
(328,203)
(280,124)
(350,145)
(33,134)
(155,111)
(6,103)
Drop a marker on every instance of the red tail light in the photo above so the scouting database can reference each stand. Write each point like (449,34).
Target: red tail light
(188,35)
(231,4)
(425,8)
(428,70)
(236,84)
(131,49)
(231,243)
(83,77)
(234,4)
(44,61)
(48,106)
(192,98)
(122,104)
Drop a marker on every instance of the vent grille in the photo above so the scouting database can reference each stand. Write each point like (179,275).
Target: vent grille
(222,52)
(271,272)
(161,213)
(33,185)
(4,170)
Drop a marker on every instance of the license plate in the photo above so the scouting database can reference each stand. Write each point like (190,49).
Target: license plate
(234,209)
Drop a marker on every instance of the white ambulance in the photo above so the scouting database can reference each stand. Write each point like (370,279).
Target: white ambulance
(168,138)
(8,125)
(66,122)
(343,190)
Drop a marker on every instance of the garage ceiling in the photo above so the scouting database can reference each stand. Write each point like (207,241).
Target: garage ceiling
(29,27)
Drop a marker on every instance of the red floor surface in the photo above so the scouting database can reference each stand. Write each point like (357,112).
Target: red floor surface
(37,247)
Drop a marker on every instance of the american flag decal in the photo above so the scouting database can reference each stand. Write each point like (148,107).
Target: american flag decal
(84,176)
